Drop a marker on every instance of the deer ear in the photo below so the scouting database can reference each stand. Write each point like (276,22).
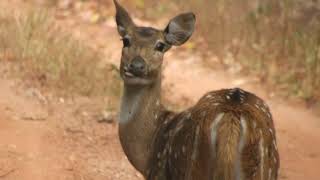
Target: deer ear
(180,29)
(123,19)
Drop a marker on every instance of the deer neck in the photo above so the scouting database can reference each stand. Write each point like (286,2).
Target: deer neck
(139,111)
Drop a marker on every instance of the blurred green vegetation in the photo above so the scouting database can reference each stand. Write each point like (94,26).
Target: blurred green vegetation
(277,41)
(44,53)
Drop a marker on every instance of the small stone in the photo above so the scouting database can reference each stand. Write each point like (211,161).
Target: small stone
(107,117)
(85,114)
(35,117)
(61,100)
(64,4)
(35,93)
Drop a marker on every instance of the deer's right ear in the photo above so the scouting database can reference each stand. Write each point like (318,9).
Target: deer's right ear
(123,20)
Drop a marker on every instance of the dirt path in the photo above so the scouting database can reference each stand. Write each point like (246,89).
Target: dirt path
(28,146)
(62,140)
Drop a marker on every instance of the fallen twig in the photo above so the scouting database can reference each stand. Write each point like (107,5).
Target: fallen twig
(7,173)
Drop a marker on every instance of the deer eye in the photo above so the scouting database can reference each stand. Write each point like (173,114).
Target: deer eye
(160,46)
(126,42)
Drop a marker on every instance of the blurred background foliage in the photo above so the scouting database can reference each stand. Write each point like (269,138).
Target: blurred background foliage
(277,41)
(53,58)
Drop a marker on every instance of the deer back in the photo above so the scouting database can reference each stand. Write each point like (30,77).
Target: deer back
(229,134)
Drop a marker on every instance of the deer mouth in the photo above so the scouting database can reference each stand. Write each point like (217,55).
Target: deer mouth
(131,78)
(129,74)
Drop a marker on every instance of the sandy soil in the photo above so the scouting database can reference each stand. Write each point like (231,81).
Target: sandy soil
(60,139)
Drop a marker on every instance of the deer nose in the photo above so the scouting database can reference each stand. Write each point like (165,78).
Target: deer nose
(137,66)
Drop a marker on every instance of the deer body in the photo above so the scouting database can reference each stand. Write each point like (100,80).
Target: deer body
(220,138)
(228,135)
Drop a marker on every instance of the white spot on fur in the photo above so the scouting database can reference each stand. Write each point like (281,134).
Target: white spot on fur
(214,127)
(263,109)
(183,149)
(195,144)
(261,155)
(254,124)
(271,132)
(269,173)
(228,97)
(179,126)
(238,169)
(204,114)
(275,145)
(188,116)
(269,115)
(209,96)
(265,105)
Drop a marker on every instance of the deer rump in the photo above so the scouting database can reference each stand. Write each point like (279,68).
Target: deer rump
(222,137)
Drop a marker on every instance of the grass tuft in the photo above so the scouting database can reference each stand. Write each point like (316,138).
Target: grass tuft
(52,57)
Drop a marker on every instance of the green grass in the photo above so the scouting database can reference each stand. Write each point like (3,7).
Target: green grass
(53,58)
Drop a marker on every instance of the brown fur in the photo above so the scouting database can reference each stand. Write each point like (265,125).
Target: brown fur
(219,165)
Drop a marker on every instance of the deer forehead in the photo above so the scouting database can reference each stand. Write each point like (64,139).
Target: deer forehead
(146,35)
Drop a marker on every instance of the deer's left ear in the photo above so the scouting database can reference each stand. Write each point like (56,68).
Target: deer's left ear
(123,20)
(180,29)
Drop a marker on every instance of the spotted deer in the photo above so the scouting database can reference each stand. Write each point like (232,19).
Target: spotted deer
(228,135)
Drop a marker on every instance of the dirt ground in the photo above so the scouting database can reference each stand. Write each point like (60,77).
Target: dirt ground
(60,139)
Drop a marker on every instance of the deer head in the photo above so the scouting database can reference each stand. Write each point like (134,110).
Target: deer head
(144,47)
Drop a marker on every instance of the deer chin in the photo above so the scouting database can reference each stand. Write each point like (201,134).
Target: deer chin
(130,79)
